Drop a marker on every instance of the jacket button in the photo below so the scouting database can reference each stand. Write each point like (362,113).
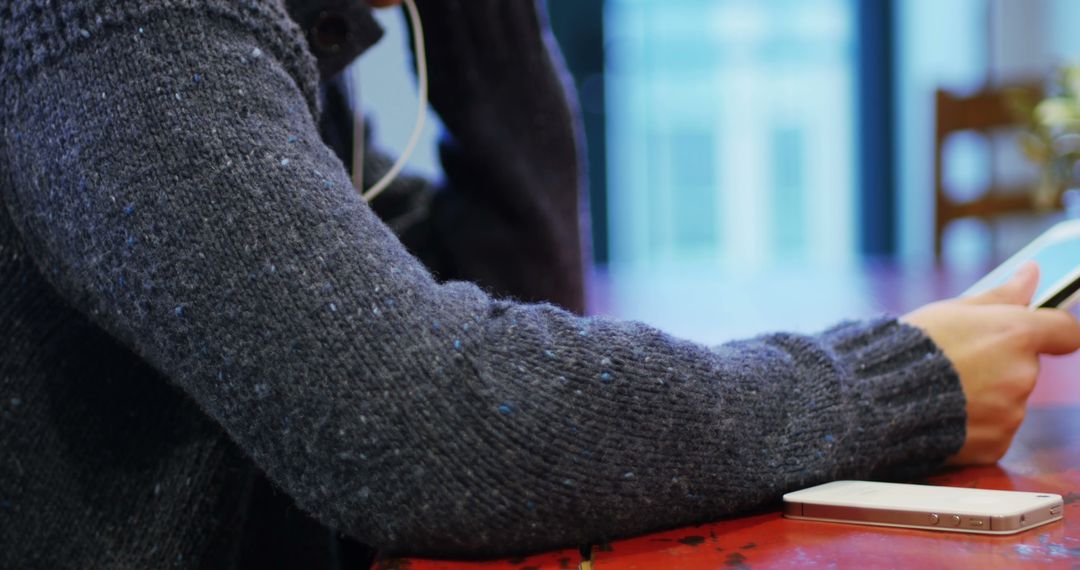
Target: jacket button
(330,33)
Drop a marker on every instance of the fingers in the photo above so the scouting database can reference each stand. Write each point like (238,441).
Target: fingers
(1055,331)
(1016,291)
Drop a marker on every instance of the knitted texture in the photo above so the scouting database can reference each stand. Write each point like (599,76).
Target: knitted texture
(35,32)
(166,178)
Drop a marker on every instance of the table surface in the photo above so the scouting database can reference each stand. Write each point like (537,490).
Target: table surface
(1045,457)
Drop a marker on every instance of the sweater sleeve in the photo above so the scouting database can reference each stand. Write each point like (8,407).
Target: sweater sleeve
(163,165)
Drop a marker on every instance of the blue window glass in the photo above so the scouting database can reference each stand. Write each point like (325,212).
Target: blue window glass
(730,130)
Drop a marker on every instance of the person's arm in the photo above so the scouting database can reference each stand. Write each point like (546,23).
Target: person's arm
(164,168)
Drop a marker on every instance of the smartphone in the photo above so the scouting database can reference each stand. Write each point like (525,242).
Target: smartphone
(953,509)
(1058,254)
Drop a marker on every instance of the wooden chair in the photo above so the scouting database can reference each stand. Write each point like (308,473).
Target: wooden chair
(985,111)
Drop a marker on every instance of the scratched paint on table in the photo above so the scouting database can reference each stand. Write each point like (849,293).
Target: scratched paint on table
(558,560)
(768,540)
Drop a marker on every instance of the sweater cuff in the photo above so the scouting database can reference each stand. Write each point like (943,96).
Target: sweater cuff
(32,34)
(909,404)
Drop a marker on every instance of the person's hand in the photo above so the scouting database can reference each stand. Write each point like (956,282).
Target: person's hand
(994,342)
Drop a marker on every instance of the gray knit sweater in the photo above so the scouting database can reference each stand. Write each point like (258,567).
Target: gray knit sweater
(191,293)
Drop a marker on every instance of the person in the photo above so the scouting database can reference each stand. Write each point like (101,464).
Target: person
(203,324)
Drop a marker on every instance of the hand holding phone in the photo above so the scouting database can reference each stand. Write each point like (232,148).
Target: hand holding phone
(994,340)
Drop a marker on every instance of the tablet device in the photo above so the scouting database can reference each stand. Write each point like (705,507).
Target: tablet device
(1058,254)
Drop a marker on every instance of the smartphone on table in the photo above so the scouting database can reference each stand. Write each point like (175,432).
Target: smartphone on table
(951,509)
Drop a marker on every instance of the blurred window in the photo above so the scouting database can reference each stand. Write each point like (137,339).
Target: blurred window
(730,130)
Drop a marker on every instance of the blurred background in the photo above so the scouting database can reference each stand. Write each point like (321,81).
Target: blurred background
(762,165)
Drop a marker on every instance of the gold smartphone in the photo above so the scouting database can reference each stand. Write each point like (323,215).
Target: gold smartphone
(952,509)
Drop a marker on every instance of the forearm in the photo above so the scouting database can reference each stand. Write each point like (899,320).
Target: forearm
(220,239)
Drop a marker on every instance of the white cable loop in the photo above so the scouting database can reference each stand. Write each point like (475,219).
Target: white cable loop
(421,107)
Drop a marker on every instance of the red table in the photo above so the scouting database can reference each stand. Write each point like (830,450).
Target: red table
(1045,457)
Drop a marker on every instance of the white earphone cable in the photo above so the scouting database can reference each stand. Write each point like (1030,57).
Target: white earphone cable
(421,108)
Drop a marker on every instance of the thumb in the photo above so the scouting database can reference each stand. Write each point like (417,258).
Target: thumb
(1016,291)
